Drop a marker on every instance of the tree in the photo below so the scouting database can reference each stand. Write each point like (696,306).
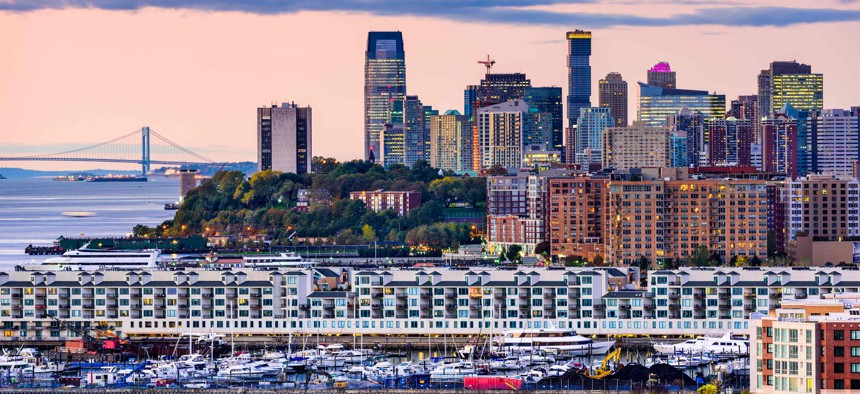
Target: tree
(543,249)
(496,170)
(755,261)
(715,260)
(392,236)
(700,256)
(597,261)
(643,263)
(368,233)
(513,254)
(502,254)
(707,389)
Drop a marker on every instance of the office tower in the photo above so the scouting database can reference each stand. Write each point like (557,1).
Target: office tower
(578,73)
(449,135)
(656,103)
(537,128)
(789,82)
(613,94)
(678,149)
(834,135)
(392,143)
(635,146)
(549,100)
(823,205)
(500,130)
(493,89)
(779,145)
(661,75)
(692,124)
(284,138)
(729,142)
(384,84)
(589,136)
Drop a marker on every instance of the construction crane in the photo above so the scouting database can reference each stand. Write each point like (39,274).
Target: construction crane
(604,370)
(487,63)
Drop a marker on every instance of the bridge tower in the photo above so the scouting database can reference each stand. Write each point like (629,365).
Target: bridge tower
(144,161)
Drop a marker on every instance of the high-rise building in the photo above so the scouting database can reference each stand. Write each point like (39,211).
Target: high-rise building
(656,103)
(613,94)
(729,142)
(549,100)
(493,89)
(822,206)
(284,138)
(416,140)
(537,128)
(449,135)
(789,82)
(589,135)
(692,125)
(384,84)
(575,216)
(500,130)
(635,146)
(779,145)
(578,73)
(678,149)
(744,108)
(392,143)
(834,136)
(661,75)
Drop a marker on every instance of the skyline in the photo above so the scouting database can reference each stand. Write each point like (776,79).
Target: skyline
(192,79)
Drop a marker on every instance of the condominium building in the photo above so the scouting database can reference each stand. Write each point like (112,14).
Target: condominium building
(392,145)
(493,89)
(500,128)
(516,211)
(400,202)
(449,141)
(575,216)
(593,301)
(635,146)
(549,101)
(807,346)
(656,103)
(284,138)
(729,141)
(667,220)
(824,206)
(691,124)
(779,145)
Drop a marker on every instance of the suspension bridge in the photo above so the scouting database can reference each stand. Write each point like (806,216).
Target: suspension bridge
(142,146)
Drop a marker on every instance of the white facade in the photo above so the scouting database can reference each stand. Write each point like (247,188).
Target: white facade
(500,131)
(837,142)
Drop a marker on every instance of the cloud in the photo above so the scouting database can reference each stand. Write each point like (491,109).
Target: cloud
(516,12)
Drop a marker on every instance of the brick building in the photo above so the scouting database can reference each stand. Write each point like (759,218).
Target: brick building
(399,201)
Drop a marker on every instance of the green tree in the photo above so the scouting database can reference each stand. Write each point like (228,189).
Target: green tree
(502,254)
(513,254)
(597,261)
(700,256)
(707,389)
(543,249)
(368,233)
(497,170)
(644,263)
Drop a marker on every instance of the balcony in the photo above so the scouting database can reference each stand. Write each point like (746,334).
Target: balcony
(749,308)
(599,306)
(425,294)
(304,306)
(649,307)
(725,307)
(674,307)
(624,307)
(402,295)
(674,296)
(698,296)
(474,307)
(256,295)
(776,295)
(549,294)
(724,296)
(499,295)
(450,295)
(749,295)
(698,307)
(450,307)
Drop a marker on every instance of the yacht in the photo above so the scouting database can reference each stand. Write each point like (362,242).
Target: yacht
(713,345)
(282,260)
(87,257)
(560,341)
(452,373)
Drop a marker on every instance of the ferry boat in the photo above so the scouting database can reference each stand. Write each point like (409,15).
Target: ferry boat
(722,345)
(561,341)
(290,260)
(86,257)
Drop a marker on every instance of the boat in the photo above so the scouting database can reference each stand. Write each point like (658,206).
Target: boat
(242,371)
(89,257)
(452,373)
(172,206)
(723,345)
(559,341)
(290,260)
(79,214)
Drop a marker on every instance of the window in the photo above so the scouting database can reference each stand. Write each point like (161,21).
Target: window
(855,368)
(838,335)
(839,351)
(838,368)
(837,384)
(855,334)
(855,351)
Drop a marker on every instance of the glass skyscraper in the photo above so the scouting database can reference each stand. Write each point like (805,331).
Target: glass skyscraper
(589,135)
(548,100)
(384,84)
(656,103)
(578,73)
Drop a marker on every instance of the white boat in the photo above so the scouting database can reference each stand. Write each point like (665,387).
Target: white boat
(452,373)
(724,345)
(85,257)
(536,358)
(243,371)
(560,341)
(282,260)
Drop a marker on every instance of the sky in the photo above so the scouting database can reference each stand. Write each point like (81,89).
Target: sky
(80,72)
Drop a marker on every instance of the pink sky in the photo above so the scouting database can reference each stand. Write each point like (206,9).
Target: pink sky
(80,76)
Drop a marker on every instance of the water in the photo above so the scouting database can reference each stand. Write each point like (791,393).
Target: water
(31,211)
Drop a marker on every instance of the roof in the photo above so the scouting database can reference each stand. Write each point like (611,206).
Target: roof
(552,283)
(327,272)
(588,273)
(330,294)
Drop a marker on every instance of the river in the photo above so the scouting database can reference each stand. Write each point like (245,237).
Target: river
(31,211)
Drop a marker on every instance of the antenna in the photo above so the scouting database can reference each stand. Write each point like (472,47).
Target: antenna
(487,63)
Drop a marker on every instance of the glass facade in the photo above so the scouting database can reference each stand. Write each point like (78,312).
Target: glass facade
(804,91)
(578,73)
(548,100)
(589,134)
(656,104)
(384,84)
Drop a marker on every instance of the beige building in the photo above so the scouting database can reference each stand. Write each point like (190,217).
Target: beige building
(635,147)
(449,141)
(500,131)
(823,206)
(806,251)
